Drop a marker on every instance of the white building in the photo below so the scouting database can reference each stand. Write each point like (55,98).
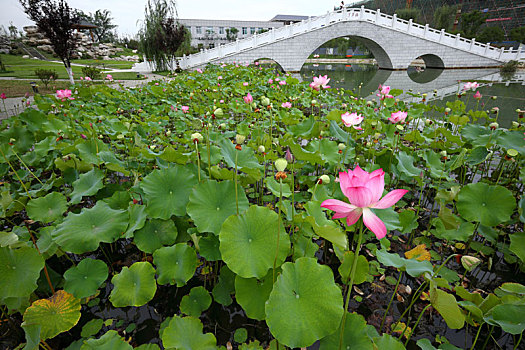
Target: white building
(209,33)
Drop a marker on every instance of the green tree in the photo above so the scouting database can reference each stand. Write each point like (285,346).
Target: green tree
(414,14)
(161,34)
(444,17)
(491,34)
(471,22)
(231,33)
(55,19)
(518,34)
(103,20)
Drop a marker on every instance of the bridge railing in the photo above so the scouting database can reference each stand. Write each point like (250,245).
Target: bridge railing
(353,14)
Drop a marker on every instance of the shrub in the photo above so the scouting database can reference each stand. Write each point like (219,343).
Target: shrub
(46,75)
(92,71)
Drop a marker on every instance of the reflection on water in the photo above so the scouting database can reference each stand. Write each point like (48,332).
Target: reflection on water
(440,85)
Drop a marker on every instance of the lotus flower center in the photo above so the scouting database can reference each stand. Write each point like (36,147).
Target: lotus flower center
(218,208)
(171,192)
(250,240)
(297,296)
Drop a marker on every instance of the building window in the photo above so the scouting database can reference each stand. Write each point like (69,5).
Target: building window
(244,30)
(221,30)
(209,30)
(198,30)
(211,46)
(252,30)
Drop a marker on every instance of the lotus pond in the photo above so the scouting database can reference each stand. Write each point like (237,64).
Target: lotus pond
(236,208)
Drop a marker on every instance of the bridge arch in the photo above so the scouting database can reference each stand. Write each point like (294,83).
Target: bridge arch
(263,59)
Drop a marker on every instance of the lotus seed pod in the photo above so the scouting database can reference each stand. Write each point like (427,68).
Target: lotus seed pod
(424,95)
(512,152)
(222,125)
(494,97)
(341,146)
(218,112)
(400,127)
(168,133)
(276,140)
(377,136)
(447,110)
(325,179)
(281,164)
(197,137)
(314,102)
(397,100)
(120,136)
(469,262)
(239,139)
(443,153)
(518,110)
(152,147)
(515,125)
(265,101)
(261,149)
(428,122)
(368,103)
(494,125)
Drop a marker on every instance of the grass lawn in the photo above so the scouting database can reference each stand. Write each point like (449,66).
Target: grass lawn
(24,68)
(106,63)
(18,88)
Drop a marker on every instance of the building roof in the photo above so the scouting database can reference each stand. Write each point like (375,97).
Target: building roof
(83,24)
(292,18)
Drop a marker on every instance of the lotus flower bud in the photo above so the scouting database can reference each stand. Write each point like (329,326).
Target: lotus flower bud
(515,125)
(197,137)
(168,133)
(218,112)
(324,179)
(239,139)
(341,146)
(288,156)
(261,149)
(494,97)
(152,147)
(314,102)
(222,126)
(469,262)
(281,164)
(493,125)
(265,101)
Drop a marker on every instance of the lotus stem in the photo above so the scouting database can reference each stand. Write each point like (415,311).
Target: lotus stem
(278,228)
(476,338)
(36,177)
(236,190)
(519,341)
(198,160)
(391,300)
(352,276)
(16,174)
(208,150)
(415,325)
(38,250)
(293,198)
(488,337)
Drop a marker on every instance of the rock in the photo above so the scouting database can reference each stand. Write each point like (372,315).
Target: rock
(25,56)
(31,29)
(45,48)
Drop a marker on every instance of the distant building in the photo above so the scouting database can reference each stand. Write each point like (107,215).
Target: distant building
(210,33)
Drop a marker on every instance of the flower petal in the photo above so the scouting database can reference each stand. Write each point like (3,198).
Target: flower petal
(376,184)
(353,216)
(344,181)
(374,223)
(360,196)
(338,206)
(390,199)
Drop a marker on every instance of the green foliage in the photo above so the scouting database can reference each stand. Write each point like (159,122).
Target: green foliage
(518,34)
(471,22)
(491,34)
(46,75)
(409,13)
(444,17)
(92,71)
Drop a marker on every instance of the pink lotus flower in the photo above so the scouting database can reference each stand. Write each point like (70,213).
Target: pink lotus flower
(470,86)
(219,77)
(286,105)
(63,94)
(320,82)
(477,95)
(199,70)
(352,119)
(364,191)
(245,84)
(384,89)
(398,116)
(3,96)
(88,79)
(109,77)
(270,81)
(185,109)
(248,98)
(282,82)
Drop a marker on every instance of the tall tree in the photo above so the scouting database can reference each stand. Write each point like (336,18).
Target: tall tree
(55,19)
(414,14)
(161,34)
(471,22)
(444,17)
(103,20)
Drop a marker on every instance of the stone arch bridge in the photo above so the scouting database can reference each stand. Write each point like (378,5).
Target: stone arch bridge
(394,42)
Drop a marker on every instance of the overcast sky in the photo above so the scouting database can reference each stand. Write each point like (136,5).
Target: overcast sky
(127,14)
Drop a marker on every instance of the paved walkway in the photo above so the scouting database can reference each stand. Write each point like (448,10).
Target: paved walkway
(16,105)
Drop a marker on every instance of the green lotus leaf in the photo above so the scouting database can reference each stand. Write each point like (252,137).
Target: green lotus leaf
(240,335)
(354,336)
(209,247)
(186,333)
(245,158)
(196,302)
(510,317)
(477,155)
(386,341)
(48,208)
(19,271)
(167,191)
(109,341)
(305,304)
(55,315)
(275,187)
(447,307)
(253,345)
(223,290)
(92,327)
(361,272)
(155,234)
(517,244)
(137,219)
(248,242)
(252,294)
(87,184)
(82,233)
(84,279)
(489,205)
(148,346)
(175,264)
(212,202)
(133,286)
(406,166)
